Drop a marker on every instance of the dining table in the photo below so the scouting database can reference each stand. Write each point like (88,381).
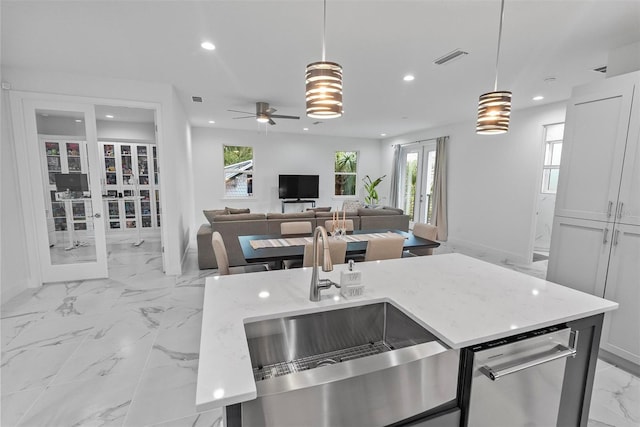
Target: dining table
(277,248)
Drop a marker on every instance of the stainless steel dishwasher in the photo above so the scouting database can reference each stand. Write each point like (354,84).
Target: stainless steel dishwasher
(517,381)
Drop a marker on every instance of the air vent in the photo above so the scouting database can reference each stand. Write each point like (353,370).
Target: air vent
(602,69)
(456,54)
(196,98)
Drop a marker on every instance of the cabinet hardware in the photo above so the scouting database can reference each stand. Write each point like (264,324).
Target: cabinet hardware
(609,209)
(615,237)
(97,215)
(606,234)
(620,205)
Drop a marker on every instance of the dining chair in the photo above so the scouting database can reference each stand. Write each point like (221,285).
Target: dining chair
(292,228)
(329,225)
(220,251)
(425,231)
(384,248)
(296,227)
(337,252)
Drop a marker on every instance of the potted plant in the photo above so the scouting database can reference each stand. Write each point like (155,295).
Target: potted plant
(370,185)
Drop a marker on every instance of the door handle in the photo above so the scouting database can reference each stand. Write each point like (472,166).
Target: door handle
(615,237)
(558,352)
(609,209)
(97,215)
(606,234)
(620,205)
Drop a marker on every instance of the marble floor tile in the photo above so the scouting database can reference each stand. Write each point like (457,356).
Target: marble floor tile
(15,405)
(15,324)
(204,419)
(54,332)
(616,398)
(24,369)
(165,393)
(94,359)
(98,402)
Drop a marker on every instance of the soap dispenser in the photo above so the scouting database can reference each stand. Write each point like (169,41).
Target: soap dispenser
(350,285)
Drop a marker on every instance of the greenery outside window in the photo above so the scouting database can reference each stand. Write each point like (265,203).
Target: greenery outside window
(552,153)
(238,171)
(345,169)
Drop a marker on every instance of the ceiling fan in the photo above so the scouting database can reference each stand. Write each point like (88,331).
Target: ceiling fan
(264,114)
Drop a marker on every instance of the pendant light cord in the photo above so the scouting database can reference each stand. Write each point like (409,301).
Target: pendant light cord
(324,30)
(495,85)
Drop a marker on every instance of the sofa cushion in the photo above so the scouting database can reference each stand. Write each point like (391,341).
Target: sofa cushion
(377,212)
(211,214)
(277,215)
(239,217)
(398,210)
(236,211)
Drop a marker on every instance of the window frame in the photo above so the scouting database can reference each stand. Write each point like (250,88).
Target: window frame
(251,173)
(355,174)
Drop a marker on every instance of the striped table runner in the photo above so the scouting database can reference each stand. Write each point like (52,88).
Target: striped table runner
(301,241)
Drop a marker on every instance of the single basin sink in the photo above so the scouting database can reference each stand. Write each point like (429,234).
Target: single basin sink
(366,365)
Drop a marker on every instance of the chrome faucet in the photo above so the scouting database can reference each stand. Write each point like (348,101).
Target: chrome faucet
(318,284)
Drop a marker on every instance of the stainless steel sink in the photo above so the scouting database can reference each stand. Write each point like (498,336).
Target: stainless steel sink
(367,365)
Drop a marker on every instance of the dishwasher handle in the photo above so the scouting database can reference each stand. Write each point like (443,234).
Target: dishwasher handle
(559,353)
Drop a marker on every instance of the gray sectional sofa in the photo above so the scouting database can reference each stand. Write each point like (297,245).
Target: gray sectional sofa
(232,225)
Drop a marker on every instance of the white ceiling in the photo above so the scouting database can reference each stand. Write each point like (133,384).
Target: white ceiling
(263,48)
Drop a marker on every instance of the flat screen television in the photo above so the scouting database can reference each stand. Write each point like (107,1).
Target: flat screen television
(298,186)
(72,181)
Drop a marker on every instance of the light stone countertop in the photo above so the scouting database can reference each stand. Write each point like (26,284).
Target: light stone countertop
(461,300)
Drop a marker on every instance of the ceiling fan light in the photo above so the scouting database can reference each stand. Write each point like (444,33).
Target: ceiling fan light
(262,118)
(324,90)
(494,110)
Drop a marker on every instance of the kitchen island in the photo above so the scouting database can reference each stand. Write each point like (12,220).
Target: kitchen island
(460,300)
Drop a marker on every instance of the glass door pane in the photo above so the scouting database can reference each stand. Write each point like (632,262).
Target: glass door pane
(67,185)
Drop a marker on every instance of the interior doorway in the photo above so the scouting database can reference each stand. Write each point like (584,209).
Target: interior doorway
(546,198)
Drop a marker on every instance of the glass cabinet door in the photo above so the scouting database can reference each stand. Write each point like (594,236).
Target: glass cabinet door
(126,164)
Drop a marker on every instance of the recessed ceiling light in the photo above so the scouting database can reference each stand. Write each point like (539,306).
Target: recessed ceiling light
(109,116)
(78,121)
(44,115)
(538,98)
(408,78)
(212,121)
(383,134)
(208,46)
(305,129)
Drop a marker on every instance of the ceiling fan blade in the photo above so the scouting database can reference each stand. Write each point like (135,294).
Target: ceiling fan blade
(271,122)
(280,116)
(270,110)
(244,112)
(245,117)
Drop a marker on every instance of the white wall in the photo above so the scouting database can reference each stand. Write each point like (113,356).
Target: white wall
(14,269)
(274,154)
(493,181)
(172,137)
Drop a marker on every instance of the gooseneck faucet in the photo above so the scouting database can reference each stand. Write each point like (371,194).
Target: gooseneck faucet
(318,284)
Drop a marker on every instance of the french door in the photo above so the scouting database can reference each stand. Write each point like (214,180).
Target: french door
(416,186)
(63,188)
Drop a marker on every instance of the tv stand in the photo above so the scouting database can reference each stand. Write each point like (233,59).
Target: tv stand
(313,202)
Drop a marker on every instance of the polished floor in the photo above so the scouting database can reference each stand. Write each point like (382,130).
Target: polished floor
(123,351)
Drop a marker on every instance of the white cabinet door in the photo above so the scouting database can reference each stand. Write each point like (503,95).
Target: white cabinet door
(579,254)
(628,208)
(593,152)
(621,331)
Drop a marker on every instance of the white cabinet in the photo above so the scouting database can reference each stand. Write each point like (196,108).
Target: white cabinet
(621,330)
(593,152)
(131,181)
(595,243)
(580,254)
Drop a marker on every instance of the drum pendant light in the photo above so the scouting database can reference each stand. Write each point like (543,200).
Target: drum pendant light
(324,84)
(494,108)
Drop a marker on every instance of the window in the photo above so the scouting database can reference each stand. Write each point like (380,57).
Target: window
(345,168)
(552,151)
(238,171)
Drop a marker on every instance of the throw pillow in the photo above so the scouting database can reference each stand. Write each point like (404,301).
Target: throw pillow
(351,205)
(211,214)
(233,211)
